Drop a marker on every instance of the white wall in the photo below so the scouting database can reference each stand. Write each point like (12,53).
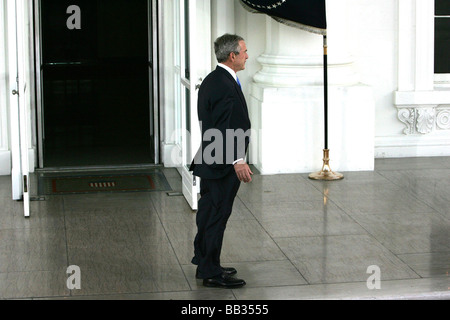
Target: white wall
(393,43)
(373,42)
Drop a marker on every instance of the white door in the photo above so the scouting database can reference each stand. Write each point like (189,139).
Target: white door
(195,49)
(19,100)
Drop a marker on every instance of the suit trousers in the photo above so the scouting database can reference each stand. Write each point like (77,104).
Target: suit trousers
(214,210)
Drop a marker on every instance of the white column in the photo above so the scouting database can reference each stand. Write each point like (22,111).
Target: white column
(287,101)
(294,57)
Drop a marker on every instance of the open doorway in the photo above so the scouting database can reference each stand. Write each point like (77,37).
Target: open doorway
(97,106)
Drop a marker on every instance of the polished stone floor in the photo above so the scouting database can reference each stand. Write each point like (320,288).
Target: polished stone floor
(289,237)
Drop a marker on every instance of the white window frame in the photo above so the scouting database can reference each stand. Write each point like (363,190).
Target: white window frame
(422,104)
(442,79)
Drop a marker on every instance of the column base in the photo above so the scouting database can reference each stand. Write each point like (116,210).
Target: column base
(288,128)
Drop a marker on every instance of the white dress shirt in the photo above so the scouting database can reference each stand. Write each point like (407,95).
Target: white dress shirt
(231,71)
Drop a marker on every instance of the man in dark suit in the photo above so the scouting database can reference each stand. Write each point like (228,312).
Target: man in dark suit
(220,162)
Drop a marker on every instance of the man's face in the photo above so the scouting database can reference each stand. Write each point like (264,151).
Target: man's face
(241,58)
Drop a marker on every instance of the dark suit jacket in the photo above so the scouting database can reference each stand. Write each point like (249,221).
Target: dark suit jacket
(221,107)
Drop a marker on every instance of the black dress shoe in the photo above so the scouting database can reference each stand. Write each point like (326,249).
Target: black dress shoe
(228,271)
(224,281)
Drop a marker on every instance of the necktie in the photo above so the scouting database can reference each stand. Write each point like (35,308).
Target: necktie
(239,83)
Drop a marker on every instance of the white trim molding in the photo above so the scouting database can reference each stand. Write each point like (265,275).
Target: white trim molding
(424,112)
(412,146)
(425,119)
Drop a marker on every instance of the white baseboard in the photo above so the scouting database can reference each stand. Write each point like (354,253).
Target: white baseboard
(172,155)
(412,146)
(5,163)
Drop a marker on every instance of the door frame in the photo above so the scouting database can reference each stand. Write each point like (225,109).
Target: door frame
(154,95)
(38,75)
(21,92)
(153,45)
(198,53)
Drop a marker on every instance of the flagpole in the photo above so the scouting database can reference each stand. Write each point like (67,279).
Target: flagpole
(325,86)
(326,173)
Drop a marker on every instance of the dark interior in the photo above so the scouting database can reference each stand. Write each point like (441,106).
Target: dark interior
(442,36)
(96,83)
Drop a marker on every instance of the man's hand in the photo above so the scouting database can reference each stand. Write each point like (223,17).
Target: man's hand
(243,172)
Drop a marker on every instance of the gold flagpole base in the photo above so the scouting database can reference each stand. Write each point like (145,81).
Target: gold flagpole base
(326,173)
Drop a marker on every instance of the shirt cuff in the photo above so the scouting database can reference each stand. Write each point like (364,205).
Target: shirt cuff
(237,161)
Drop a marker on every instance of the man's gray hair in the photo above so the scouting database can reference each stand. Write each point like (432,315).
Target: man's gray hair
(225,45)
